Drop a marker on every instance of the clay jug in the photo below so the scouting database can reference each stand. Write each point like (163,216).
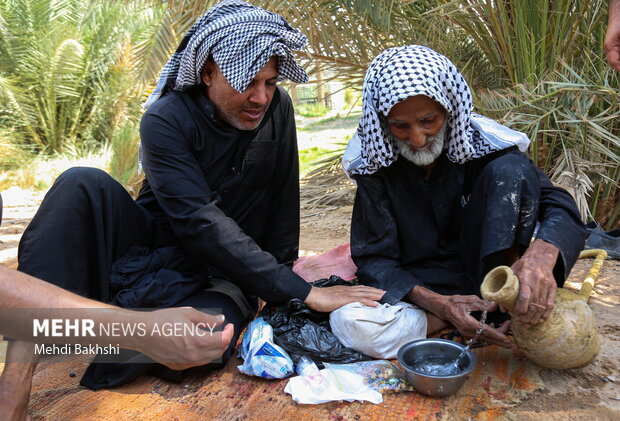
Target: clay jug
(568,338)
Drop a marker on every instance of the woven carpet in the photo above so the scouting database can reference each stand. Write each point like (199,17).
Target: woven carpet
(499,382)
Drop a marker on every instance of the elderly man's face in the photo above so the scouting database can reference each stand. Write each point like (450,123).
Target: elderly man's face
(418,124)
(244,110)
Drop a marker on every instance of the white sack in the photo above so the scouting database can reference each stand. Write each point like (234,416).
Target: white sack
(378,331)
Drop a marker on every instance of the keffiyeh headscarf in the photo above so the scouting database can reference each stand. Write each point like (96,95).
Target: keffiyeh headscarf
(241,38)
(402,72)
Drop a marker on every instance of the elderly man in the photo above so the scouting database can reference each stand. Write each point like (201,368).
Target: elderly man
(216,223)
(444,195)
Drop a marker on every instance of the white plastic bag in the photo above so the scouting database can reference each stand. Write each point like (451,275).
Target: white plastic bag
(378,331)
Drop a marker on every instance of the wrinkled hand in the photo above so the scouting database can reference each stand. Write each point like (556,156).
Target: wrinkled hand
(457,310)
(331,298)
(537,286)
(612,37)
(181,352)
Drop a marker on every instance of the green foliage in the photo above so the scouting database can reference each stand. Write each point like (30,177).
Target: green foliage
(556,86)
(310,158)
(352,97)
(314,109)
(73,72)
(124,162)
(334,122)
(12,155)
(67,70)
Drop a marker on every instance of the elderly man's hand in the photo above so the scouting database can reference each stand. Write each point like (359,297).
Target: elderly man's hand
(184,351)
(331,298)
(457,310)
(537,284)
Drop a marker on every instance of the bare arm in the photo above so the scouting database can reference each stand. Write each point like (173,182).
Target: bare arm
(612,37)
(23,298)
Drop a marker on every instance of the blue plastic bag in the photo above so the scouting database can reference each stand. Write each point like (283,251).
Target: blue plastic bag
(263,358)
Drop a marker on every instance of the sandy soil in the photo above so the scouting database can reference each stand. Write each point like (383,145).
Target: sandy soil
(589,393)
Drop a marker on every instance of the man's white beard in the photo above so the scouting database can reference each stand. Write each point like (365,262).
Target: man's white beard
(425,155)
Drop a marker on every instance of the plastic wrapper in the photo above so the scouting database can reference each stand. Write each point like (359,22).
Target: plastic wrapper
(307,369)
(381,375)
(263,358)
(340,385)
(302,331)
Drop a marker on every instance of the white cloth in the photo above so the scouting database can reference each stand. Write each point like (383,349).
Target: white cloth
(403,72)
(378,331)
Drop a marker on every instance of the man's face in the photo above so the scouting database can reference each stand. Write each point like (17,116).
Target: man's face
(244,110)
(419,126)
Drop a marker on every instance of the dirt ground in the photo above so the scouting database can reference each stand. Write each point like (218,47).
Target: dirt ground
(589,393)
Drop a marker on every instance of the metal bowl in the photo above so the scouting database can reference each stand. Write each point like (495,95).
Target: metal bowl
(440,350)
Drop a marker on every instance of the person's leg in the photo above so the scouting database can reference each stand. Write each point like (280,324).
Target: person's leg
(85,222)
(500,219)
(500,216)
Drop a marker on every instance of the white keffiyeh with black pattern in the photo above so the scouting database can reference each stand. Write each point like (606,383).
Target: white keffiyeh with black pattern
(402,72)
(241,38)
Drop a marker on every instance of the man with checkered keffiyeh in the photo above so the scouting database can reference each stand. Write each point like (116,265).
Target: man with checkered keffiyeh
(216,223)
(444,195)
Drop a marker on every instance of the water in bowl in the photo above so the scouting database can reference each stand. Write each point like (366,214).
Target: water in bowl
(436,366)
(442,366)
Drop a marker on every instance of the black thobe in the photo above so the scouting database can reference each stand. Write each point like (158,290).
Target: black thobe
(229,197)
(443,233)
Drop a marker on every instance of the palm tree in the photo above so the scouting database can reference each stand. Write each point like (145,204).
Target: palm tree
(533,65)
(69,77)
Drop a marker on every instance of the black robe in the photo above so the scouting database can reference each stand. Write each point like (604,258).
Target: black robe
(437,233)
(229,197)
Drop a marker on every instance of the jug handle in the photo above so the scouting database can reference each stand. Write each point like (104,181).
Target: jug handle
(590,279)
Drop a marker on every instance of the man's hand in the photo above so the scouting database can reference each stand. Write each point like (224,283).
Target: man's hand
(612,37)
(331,298)
(537,284)
(181,352)
(457,310)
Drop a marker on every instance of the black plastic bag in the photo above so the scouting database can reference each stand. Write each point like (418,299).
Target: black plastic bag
(301,331)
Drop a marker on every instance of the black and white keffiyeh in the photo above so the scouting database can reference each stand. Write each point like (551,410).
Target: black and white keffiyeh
(241,38)
(402,72)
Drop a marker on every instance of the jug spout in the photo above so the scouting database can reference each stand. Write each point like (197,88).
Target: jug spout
(502,286)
